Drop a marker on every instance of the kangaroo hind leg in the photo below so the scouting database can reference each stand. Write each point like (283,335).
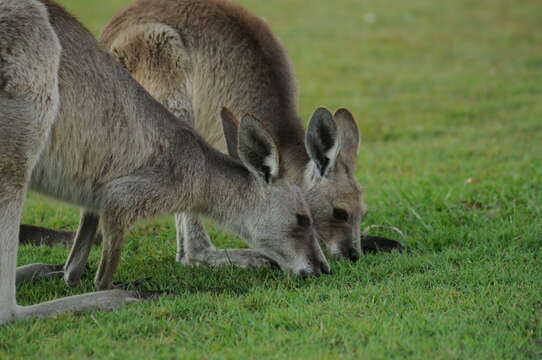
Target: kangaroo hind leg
(29,99)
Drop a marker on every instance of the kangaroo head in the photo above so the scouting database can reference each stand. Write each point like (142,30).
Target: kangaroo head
(330,186)
(278,223)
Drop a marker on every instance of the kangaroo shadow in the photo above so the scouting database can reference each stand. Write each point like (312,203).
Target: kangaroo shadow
(156,276)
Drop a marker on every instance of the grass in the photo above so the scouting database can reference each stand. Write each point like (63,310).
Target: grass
(448,98)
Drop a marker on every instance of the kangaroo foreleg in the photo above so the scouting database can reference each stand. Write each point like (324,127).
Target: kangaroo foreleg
(113,237)
(77,260)
(198,249)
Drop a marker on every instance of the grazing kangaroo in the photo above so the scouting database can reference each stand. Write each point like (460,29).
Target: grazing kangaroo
(121,156)
(196,56)
(30,54)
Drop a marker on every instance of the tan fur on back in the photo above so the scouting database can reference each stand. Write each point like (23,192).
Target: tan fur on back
(224,56)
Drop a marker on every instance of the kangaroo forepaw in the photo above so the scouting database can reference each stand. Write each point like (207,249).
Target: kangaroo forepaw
(73,276)
(258,261)
(230,257)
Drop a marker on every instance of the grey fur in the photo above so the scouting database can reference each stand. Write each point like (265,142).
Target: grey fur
(29,100)
(76,126)
(198,56)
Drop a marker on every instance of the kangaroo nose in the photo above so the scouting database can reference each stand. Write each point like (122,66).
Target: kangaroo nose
(352,254)
(321,267)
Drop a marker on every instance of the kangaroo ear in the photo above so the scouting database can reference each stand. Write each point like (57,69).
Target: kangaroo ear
(230,125)
(121,48)
(349,132)
(322,140)
(157,44)
(257,149)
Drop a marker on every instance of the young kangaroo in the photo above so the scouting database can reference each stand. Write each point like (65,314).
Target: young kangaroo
(120,155)
(195,56)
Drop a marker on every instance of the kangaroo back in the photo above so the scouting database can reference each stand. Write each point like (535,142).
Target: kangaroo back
(211,54)
(90,143)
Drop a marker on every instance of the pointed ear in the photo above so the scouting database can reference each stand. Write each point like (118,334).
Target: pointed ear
(257,149)
(349,132)
(322,140)
(230,125)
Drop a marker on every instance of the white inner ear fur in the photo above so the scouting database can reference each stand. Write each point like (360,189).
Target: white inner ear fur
(312,174)
(332,154)
(271,161)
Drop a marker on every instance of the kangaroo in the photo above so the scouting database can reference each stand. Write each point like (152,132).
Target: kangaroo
(30,54)
(121,156)
(195,56)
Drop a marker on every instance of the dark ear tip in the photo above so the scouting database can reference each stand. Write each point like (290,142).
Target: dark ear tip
(343,111)
(321,111)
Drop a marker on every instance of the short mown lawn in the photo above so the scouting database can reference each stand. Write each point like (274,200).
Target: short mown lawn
(448,96)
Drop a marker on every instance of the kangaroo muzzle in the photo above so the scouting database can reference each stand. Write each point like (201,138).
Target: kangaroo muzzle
(313,263)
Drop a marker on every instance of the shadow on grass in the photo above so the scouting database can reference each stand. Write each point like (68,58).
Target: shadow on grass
(165,275)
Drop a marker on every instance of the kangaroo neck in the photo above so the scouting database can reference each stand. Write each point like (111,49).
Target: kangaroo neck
(226,189)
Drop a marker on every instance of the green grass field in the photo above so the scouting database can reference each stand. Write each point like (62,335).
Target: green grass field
(448,96)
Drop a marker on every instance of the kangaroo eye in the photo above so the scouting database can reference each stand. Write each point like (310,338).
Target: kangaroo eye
(303,220)
(340,214)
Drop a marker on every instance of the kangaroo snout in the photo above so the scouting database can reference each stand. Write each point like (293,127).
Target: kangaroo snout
(319,269)
(314,264)
(344,244)
(345,250)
